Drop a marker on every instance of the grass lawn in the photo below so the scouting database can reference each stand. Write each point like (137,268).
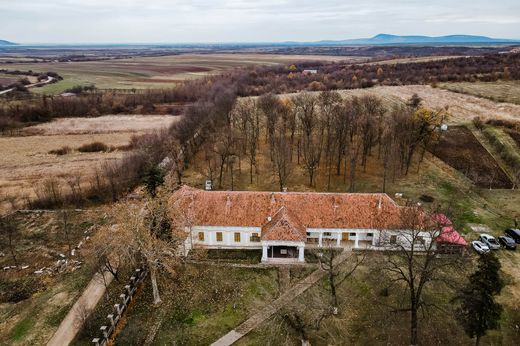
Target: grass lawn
(204,306)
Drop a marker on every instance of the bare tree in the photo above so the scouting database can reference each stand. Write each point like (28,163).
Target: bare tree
(10,229)
(411,261)
(281,156)
(142,235)
(312,133)
(337,272)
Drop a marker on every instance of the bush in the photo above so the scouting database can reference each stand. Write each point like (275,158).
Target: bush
(16,291)
(61,151)
(479,124)
(93,147)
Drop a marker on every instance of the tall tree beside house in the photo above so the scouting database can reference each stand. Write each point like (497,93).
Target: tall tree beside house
(479,312)
(139,237)
(337,273)
(412,263)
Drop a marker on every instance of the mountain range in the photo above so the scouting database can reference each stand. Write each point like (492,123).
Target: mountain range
(6,43)
(387,39)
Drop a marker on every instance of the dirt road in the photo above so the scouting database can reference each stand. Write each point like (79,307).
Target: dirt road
(83,307)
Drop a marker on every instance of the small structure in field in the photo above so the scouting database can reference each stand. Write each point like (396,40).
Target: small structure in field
(67,94)
(309,72)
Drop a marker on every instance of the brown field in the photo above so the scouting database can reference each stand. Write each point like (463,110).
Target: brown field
(461,107)
(461,150)
(26,161)
(153,72)
(499,91)
(104,124)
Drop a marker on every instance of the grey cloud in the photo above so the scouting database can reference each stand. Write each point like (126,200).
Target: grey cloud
(248,20)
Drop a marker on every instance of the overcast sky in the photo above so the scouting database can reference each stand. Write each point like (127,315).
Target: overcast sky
(154,21)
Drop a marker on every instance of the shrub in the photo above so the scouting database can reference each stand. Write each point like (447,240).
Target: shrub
(479,124)
(93,147)
(16,291)
(61,151)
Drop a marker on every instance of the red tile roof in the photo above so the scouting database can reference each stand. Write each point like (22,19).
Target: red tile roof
(448,234)
(313,210)
(284,225)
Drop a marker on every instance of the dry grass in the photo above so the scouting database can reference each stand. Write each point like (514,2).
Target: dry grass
(462,108)
(104,124)
(500,91)
(26,161)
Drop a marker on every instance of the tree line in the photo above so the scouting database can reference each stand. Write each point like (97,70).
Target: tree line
(259,80)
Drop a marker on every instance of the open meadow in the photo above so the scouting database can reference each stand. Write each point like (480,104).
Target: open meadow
(461,107)
(27,159)
(499,91)
(153,72)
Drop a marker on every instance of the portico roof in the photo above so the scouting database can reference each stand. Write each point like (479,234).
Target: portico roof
(284,226)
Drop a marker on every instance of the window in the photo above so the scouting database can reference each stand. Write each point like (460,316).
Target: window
(370,234)
(219,236)
(254,238)
(352,235)
(237,237)
(393,239)
(327,234)
(201,236)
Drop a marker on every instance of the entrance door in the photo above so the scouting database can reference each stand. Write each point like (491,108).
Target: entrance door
(344,236)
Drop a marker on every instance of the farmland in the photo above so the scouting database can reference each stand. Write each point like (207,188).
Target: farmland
(152,72)
(27,161)
(461,150)
(500,91)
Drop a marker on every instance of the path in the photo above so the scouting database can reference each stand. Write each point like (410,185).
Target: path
(83,307)
(267,311)
(49,79)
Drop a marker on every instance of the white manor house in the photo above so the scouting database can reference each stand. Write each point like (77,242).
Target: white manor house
(283,224)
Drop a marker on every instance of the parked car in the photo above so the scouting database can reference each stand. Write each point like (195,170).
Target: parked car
(513,233)
(507,242)
(479,246)
(490,241)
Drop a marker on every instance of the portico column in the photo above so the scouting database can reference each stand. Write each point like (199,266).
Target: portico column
(356,243)
(320,239)
(264,253)
(339,239)
(301,254)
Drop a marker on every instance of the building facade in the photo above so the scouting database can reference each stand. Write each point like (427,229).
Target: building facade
(284,224)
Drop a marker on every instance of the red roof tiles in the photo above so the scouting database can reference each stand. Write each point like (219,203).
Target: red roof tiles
(284,226)
(313,210)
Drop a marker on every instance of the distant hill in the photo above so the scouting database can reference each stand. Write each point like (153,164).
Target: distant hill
(387,39)
(6,43)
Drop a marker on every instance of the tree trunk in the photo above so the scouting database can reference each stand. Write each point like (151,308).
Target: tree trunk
(155,288)
(413,324)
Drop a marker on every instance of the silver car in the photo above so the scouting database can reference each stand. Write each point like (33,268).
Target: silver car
(479,246)
(490,241)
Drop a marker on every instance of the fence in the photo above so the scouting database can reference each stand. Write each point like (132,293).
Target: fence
(119,309)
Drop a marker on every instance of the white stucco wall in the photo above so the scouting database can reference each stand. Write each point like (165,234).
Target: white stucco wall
(376,238)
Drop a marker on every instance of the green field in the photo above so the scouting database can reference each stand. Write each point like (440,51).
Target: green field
(151,72)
